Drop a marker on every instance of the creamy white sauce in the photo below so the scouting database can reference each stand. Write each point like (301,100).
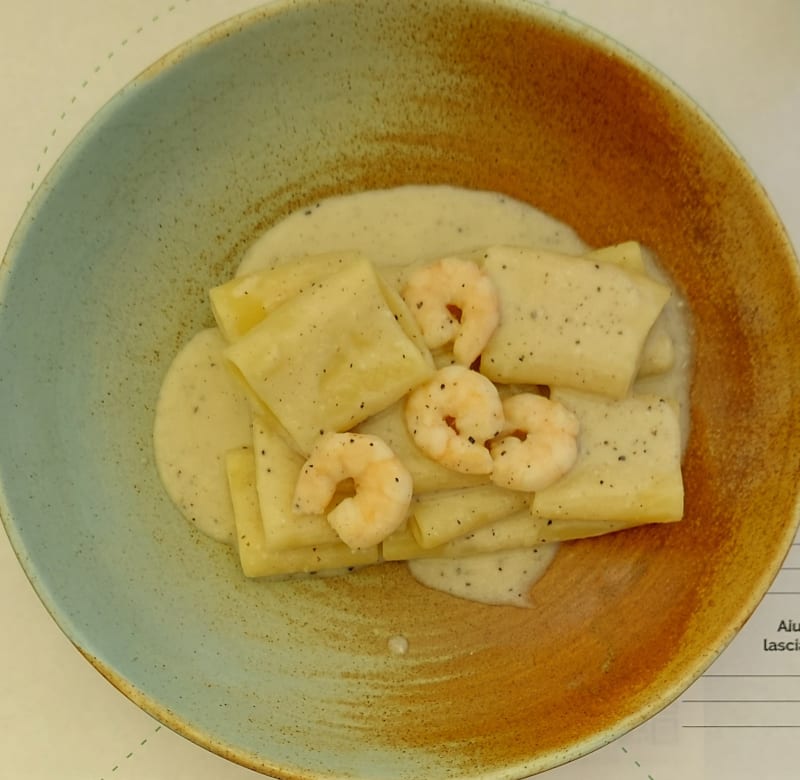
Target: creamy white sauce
(398,645)
(492,578)
(202,412)
(674,383)
(410,224)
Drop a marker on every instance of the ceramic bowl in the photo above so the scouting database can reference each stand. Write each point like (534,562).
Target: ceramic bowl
(156,201)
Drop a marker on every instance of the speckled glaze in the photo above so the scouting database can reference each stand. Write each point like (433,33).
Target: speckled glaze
(156,201)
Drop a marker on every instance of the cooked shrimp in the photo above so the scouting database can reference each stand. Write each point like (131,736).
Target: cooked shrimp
(383,487)
(454,300)
(453,415)
(538,445)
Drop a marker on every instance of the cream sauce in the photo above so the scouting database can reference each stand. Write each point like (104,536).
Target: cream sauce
(410,224)
(492,578)
(202,412)
(674,383)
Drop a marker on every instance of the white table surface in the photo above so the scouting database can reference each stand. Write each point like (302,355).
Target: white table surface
(59,62)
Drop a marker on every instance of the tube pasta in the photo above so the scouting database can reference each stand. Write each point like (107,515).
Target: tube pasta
(437,518)
(627,255)
(567,529)
(278,467)
(509,533)
(402,546)
(512,532)
(569,321)
(241,303)
(255,556)
(330,356)
(629,464)
(658,351)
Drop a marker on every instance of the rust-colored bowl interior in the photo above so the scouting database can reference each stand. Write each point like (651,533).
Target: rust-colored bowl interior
(335,97)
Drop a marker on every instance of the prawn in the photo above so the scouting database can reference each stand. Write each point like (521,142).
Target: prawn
(454,300)
(452,416)
(383,487)
(538,444)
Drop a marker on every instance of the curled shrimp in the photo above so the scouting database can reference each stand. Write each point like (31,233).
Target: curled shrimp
(454,300)
(538,444)
(452,416)
(383,487)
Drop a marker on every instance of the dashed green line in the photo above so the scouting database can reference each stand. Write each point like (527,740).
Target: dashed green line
(635,761)
(132,753)
(85,83)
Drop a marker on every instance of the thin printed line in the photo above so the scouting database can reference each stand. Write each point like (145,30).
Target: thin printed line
(740,726)
(751,675)
(740,701)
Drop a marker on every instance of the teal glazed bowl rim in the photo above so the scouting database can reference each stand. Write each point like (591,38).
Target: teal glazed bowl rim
(156,200)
